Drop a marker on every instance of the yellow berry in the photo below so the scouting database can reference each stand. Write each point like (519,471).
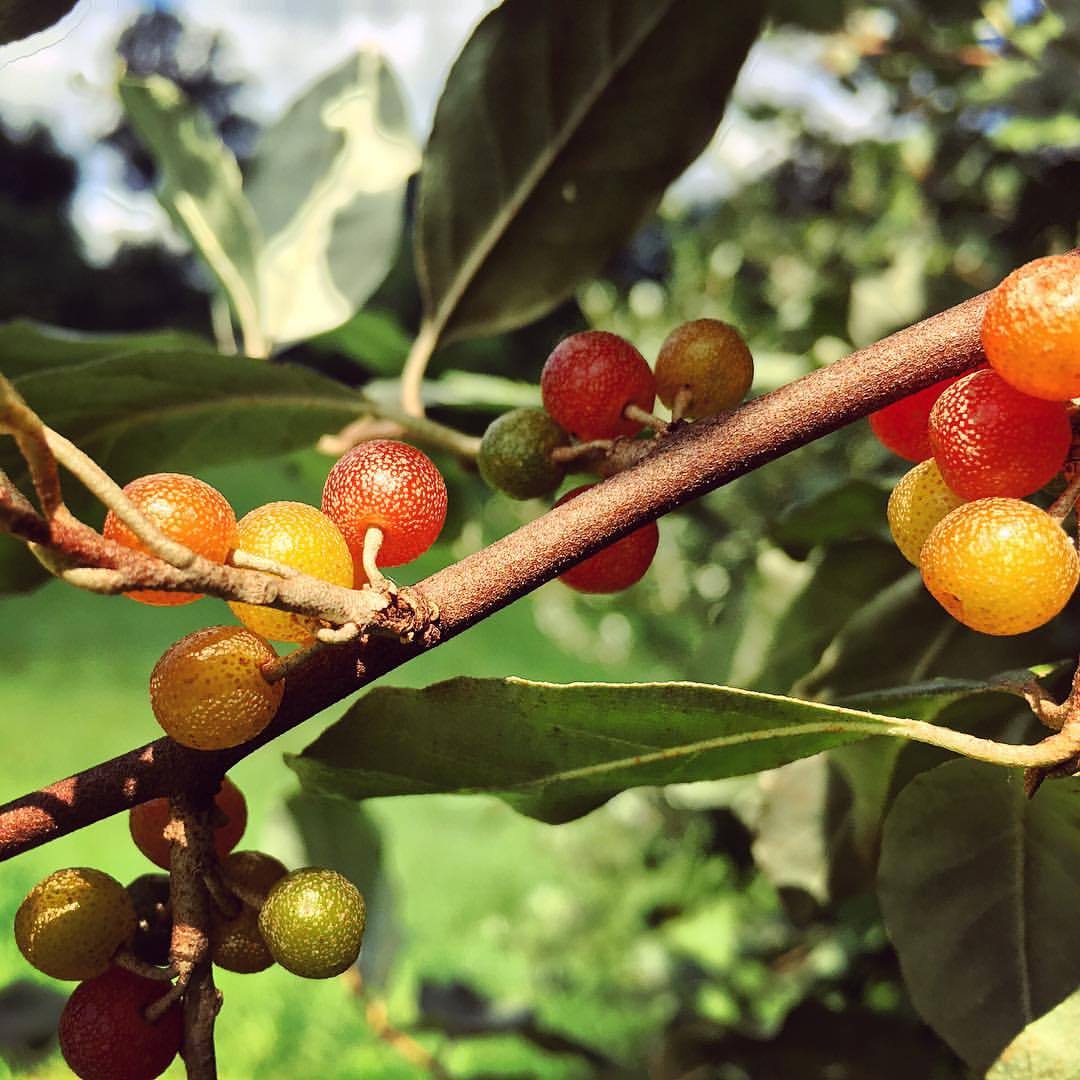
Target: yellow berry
(1000,566)
(208,690)
(71,924)
(917,503)
(299,536)
(710,360)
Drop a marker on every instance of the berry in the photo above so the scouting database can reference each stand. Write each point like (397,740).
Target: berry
(388,485)
(515,454)
(590,378)
(254,872)
(917,503)
(70,925)
(305,539)
(903,426)
(990,439)
(153,931)
(1000,566)
(619,565)
(105,1036)
(710,359)
(186,510)
(237,945)
(313,922)
(208,691)
(147,822)
(1031,330)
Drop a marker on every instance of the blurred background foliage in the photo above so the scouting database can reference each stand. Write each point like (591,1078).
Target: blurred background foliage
(715,930)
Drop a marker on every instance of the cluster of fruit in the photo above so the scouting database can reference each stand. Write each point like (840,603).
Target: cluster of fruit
(596,387)
(985,442)
(81,924)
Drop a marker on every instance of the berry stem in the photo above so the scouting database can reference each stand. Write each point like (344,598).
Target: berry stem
(373,542)
(566,455)
(412,374)
(126,959)
(648,419)
(386,421)
(681,403)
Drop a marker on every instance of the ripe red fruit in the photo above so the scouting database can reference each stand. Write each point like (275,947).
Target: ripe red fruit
(104,1035)
(989,439)
(590,378)
(388,485)
(148,820)
(903,426)
(617,566)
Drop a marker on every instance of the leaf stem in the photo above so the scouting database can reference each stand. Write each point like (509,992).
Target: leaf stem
(412,374)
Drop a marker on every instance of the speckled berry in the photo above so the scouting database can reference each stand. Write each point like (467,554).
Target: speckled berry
(254,872)
(70,925)
(391,486)
(208,691)
(236,944)
(1000,566)
(710,361)
(299,536)
(588,381)
(153,930)
(918,502)
(105,1036)
(313,922)
(904,426)
(515,454)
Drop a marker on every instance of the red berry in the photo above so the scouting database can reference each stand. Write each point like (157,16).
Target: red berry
(617,566)
(104,1035)
(148,820)
(588,381)
(902,427)
(391,486)
(990,439)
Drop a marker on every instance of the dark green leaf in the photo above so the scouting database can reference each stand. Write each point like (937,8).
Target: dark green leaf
(374,338)
(560,126)
(980,887)
(853,508)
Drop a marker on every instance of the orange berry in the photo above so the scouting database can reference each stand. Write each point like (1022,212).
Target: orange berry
(1031,330)
(185,509)
(299,536)
(208,691)
(710,359)
(1000,566)
(903,426)
(919,501)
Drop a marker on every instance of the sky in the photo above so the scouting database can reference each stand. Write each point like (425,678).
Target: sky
(63,77)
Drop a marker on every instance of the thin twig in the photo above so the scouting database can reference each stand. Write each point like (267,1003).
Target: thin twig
(1059,509)
(645,418)
(246,561)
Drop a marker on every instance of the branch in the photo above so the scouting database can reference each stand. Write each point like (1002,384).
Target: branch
(691,461)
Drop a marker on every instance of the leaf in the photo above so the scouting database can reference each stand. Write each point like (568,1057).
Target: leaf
(559,128)
(843,512)
(200,188)
(1045,1049)
(463,389)
(556,752)
(374,338)
(21,18)
(979,887)
(328,188)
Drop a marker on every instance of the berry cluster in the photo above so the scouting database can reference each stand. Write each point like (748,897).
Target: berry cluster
(597,388)
(986,441)
(122,1022)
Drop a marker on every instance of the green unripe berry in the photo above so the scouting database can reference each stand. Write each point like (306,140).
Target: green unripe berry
(515,454)
(313,922)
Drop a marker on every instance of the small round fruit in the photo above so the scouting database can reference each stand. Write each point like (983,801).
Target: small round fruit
(299,536)
(904,426)
(917,503)
(588,381)
(185,509)
(71,924)
(708,358)
(237,945)
(147,822)
(619,565)
(515,454)
(989,439)
(254,872)
(1000,566)
(313,922)
(105,1036)
(1031,330)
(208,690)
(153,931)
(388,485)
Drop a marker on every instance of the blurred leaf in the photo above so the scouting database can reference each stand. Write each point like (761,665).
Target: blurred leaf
(1045,1049)
(849,509)
(201,190)
(328,189)
(559,128)
(979,887)
(895,297)
(21,18)
(466,389)
(374,338)
(555,752)
(29,1013)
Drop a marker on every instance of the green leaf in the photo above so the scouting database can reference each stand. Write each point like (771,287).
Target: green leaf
(328,188)
(374,338)
(21,18)
(1045,1049)
(980,886)
(559,128)
(462,389)
(556,752)
(200,187)
(849,509)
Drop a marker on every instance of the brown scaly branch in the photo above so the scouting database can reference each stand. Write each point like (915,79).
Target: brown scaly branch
(688,463)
